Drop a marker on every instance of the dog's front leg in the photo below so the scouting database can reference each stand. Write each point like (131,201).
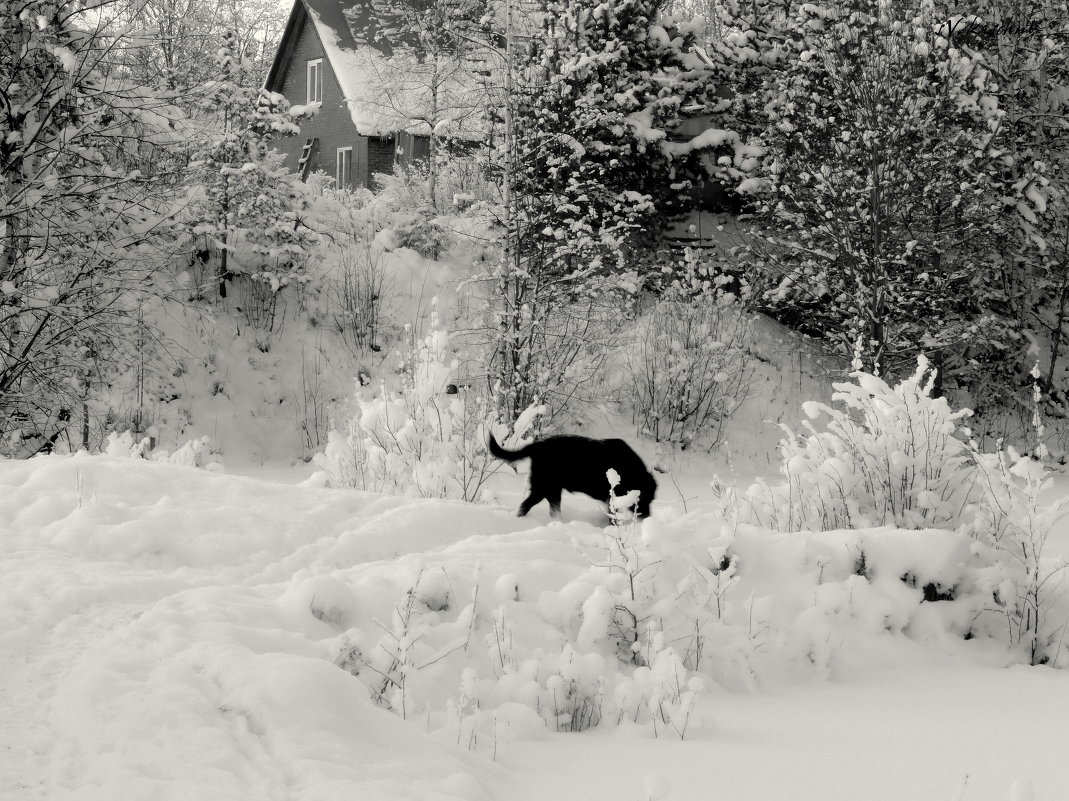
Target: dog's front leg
(528,502)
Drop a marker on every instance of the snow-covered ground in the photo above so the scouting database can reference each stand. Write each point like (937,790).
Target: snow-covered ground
(168,632)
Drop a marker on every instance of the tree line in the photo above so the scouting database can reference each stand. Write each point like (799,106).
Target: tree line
(122,128)
(898,170)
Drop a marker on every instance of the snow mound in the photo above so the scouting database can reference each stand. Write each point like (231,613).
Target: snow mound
(172,631)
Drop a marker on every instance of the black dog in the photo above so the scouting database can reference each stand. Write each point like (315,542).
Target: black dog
(580,464)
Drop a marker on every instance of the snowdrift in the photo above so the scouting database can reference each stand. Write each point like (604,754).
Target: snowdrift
(173,632)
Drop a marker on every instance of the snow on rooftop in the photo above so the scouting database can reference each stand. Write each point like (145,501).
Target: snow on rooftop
(385,95)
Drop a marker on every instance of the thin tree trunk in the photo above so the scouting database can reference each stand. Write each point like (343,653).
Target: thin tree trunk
(1057,334)
(505,323)
(224,255)
(432,141)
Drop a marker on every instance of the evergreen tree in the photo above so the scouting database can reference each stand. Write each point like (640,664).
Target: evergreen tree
(589,176)
(910,189)
(597,175)
(1024,48)
(251,206)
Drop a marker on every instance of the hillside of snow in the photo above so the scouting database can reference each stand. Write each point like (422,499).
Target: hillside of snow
(167,632)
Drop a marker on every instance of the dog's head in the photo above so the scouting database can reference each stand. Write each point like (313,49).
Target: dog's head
(645,498)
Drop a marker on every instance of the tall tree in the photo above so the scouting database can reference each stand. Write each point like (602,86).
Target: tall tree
(596,168)
(169,39)
(1024,47)
(250,203)
(422,68)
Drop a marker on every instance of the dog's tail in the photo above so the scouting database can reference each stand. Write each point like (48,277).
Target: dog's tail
(508,456)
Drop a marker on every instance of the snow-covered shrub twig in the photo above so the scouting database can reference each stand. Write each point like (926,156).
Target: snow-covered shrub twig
(362,284)
(690,370)
(890,456)
(664,689)
(428,439)
(396,644)
(309,403)
(619,605)
(1013,519)
(402,651)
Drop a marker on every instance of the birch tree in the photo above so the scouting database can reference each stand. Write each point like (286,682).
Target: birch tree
(80,239)
(422,68)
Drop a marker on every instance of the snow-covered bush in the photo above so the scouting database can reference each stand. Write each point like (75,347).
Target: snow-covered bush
(462,187)
(389,661)
(121,444)
(571,688)
(1013,520)
(896,456)
(577,688)
(623,603)
(193,453)
(663,688)
(689,368)
(890,456)
(413,216)
(740,609)
(393,660)
(561,344)
(362,286)
(619,608)
(428,439)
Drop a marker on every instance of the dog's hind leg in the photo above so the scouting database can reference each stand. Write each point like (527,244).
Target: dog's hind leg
(553,496)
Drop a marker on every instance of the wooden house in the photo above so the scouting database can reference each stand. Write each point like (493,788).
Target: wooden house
(319,62)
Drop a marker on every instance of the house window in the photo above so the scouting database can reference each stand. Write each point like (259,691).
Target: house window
(315,81)
(344,173)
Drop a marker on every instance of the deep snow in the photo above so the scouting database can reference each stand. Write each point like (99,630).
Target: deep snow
(167,632)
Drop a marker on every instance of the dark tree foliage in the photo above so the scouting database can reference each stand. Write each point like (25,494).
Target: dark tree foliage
(595,176)
(909,192)
(589,176)
(250,201)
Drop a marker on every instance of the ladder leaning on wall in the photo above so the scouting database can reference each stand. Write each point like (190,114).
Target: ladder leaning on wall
(304,161)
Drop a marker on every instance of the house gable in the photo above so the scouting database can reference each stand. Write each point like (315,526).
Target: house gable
(331,15)
(331,129)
